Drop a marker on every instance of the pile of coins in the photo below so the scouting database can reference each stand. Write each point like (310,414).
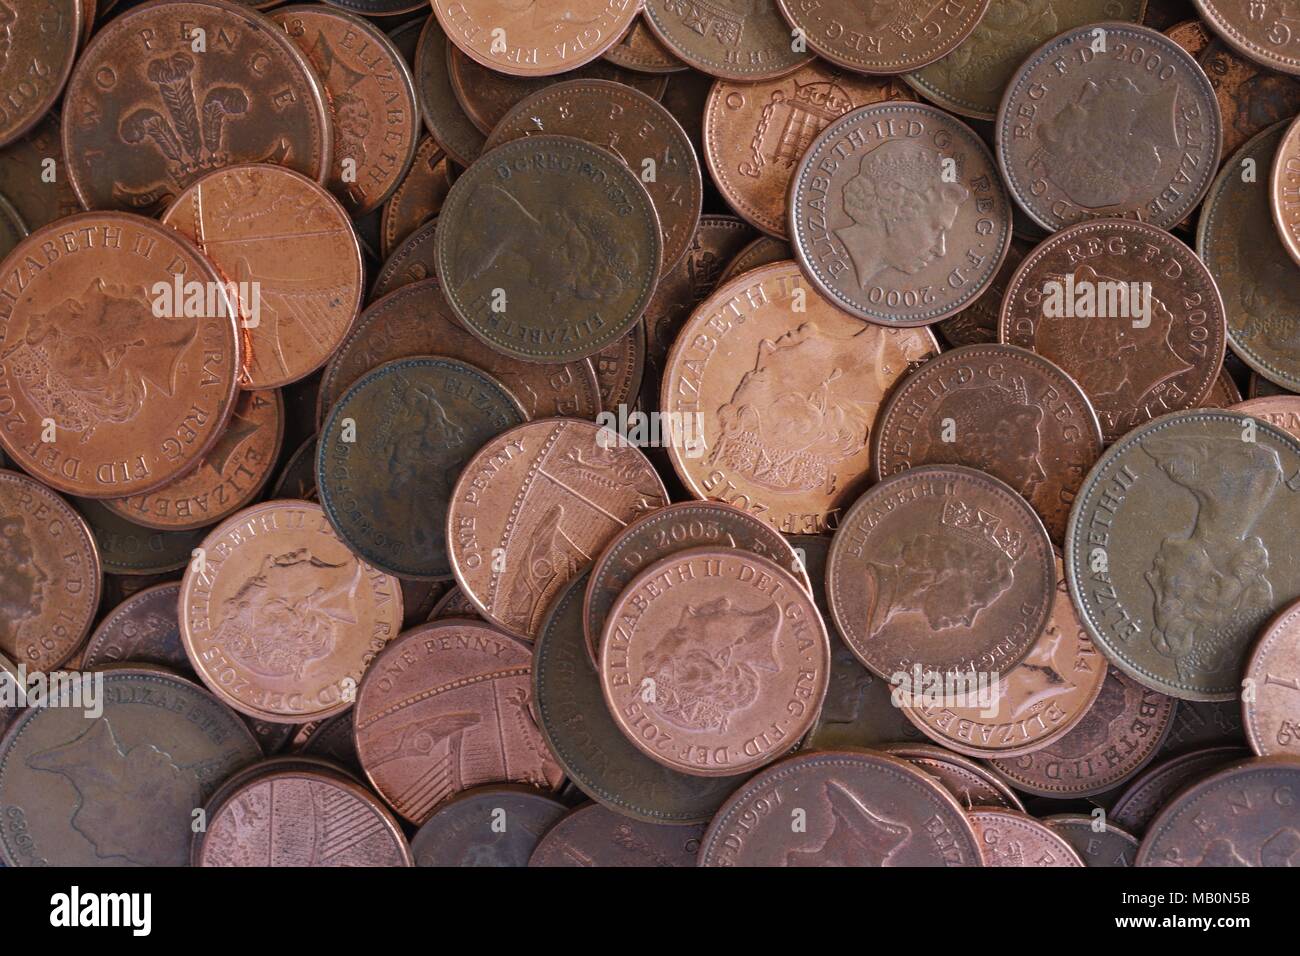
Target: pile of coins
(679,432)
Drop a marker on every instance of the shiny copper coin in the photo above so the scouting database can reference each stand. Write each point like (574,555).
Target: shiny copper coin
(1010,838)
(1263,32)
(129,549)
(1251,97)
(595,836)
(40,45)
(50,575)
(641,51)
(972,783)
(860,809)
(1284,198)
(534,507)
(371,96)
(977,324)
(1098,843)
(783,389)
(897,214)
(23,165)
(415,258)
(417,198)
(1271,703)
(742,40)
(145,116)
(488,826)
(100,354)
(1149,791)
(279,618)
(1127,311)
(445,708)
(442,114)
(1280,411)
(144,628)
(620,366)
(761,252)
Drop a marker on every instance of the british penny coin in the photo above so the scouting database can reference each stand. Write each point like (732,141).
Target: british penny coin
(298,477)
(1067,157)
(294,309)
(443,117)
(303,818)
(620,366)
(406,37)
(1117,737)
(1251,97)
(50,575)
(1150,790)
(144,116)
(641,51)
(371,96)
(595,836)
(23,165)
(1284,197)
(40,46)
(1199,724)
(230,476)
(897,214)
(445,708)
(783,389)
(861,809)
(1280,411)
(1011,838)
(1271,713)
(973,784)
(487,826)
(883,38)
(419,598)
(415,258)
(1127,311)
(279,619)
(941,568)
(1224,394)
(119,789)
(550,495)
(971,78)
(126,548)
(454,604)
(549,219)
(1107,846)
(390,451)
(741,40)
(714,662)
(417,198)
(332,739)
(761,252)
(756,133)
(1193,37)
(636,129)
(144,629)
(1204,824)
(977,324)
(1038,701)
(132,398)
(1172,583)
(1264,33)
(415,320)
(534,39)
(678,527)
(590,746)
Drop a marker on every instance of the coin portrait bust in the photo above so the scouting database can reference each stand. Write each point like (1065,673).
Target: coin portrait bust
(22,581)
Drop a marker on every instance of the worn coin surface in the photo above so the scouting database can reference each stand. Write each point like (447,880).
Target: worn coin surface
(593,835)
(417,198)
(1264,32)
(741,40)
(40,46)
(488,826)
(23,165)
(1107,846)
(442,114)
(1011,838)
(144,629)
(1200,723)
(415,258)
(639,50)
(1149,791)
(761,252)
(897,214)
(1131,132)
(972,783)
(1284,196)
(1251,97)
(126,548)
(620,366)
(454,604)
(1271,714)
(861,809)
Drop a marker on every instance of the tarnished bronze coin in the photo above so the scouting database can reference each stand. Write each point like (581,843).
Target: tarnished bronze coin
(1131,132)
(1263,32)
(1225,394)
(896,213)
(1179,548)
(859,808)
(331,739)
(279,618)
(417,198)
(972,783)
(132,386)
(145,116)
(442,114)
(390,451)
(977,324)
(445,708)
(761,252)
(783,390)
(488,826)
(1098,842)
(1284,197)
(1127,311)
(941,568)
(741,40)
(1271,700)
(1011,838)
(1251,97)
(230,476)
(1199,724)
(371,97)
(50,575)
(39,46)
(1204,824)
(415,258)
(595,836)
(121,788)
(1149,791)
(454,604)
(23,171)
(620,366)
(756,133)
(126,548)
(143,629)
(641,51)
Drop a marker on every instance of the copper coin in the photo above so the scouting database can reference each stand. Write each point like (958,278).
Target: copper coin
(742,40)
(119,789)
(1066,155)
(534,507)
(761,252)
(231,475)
(620,366)
(1263,32)
(445,708)
(883,37)
(1199,724)
(998,409)
(132,398)
(279,618)
(636,129)
(23,165)
(641,51)
(144,628)
(972,783)
(417,198)
(390,451)
(415,258)
(1150,790)
(714,662)
(301,818)
(1225,394)
(1251,97)
(1271,703)
(1280,411)
(756,133)
(977,324)
(1193,37)
(40,45)
(1127,311)
(1098,843)
(783,388)
(487,826)
(896,213)
(442,114)
(294,308)
(941,568)
(419,598)
(374,8)
(50,575)
(145,116)
(1011,838)
(859,809)
(371,96)
(416,320)
(678,527)
(1117,737)
(1285,190)
(126,548)
(10,684)
(454,604)
(332,739)
(534,39)
(595,836)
